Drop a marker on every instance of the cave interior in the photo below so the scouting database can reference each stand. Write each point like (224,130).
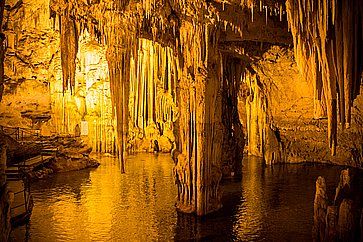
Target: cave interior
(208,81)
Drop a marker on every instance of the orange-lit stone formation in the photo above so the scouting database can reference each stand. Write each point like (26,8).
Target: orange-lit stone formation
(204,81)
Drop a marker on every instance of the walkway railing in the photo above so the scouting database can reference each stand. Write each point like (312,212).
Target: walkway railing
(15,174)
(20,134)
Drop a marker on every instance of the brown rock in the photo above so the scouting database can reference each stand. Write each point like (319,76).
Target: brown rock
(331,233)
(6,200)
(3,159)
(63,164)
(320,210)
(346,223)
(344,188)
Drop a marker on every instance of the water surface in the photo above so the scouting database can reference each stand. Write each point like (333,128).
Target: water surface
(268,204)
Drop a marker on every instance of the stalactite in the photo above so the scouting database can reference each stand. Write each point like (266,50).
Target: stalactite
(152,99)
(233,140)
(69,49)
(325,30)
(120,41)
(262,136)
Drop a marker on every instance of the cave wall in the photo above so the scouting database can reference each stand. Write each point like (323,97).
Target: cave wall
(31,61)
(88,105)
(152,102)
(297,134)
(6,198)
(5,204)
(33,79)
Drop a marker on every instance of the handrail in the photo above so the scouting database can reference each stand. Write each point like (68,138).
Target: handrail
(19,132)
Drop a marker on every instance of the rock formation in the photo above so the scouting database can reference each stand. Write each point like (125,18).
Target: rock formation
(200,78)
(339,220)
(320,208)
(72,155)
(6,200)
(6,197)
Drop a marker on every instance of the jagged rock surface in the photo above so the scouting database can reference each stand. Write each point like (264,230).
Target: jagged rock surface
(339,219)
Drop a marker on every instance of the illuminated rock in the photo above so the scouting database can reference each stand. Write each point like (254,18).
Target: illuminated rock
(331,232)
(346,221)
(200,78)
(320,210)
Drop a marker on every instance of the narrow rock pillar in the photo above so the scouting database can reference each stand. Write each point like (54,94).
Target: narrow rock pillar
(320,210)
(199,128)
(346,222)
(331,232)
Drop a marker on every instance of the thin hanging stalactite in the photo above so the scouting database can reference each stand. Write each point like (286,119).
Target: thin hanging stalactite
(326,31)
(69,49)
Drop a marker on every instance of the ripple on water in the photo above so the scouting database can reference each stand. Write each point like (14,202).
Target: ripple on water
(272,203)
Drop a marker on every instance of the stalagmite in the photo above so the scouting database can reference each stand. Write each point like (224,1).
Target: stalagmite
(262,136)
(320,210)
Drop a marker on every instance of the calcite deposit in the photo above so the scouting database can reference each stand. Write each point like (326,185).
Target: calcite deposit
(203,80)
(339,219)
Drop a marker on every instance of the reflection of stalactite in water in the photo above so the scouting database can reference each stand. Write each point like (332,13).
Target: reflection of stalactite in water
(326,36)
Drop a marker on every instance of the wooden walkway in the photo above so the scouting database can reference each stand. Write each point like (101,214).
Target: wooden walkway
(20,185)
(15,176)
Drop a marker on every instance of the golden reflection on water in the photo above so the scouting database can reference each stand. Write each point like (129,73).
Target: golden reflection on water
(104,204)
(250,213)
(269,203)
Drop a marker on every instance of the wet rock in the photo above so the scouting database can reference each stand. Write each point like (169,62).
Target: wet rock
(165,144)
(344,219)
(63,164)
(320,210)
(346,222)
(345,187)
(273,146)
(331,223)
(72,154)
(40,173)
(6,200)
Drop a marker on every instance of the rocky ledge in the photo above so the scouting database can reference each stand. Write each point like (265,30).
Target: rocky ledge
(71,154)
(340,219)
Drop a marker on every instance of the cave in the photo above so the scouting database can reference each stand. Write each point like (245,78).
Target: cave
(138,120)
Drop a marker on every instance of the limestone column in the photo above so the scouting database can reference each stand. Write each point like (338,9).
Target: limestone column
(320,210)
(331,232)
(121,43)
(198,166)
